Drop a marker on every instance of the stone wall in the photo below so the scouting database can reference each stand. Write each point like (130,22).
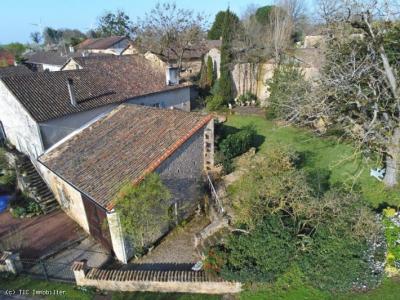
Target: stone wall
(20,128)
(178,98)
(254,78)
(69,198)
(153,281)
(182,174)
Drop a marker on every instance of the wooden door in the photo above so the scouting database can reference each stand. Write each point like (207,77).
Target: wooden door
(97,219)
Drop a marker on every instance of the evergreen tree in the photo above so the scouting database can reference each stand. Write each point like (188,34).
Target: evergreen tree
(210,72)
(216,30)
(225,81)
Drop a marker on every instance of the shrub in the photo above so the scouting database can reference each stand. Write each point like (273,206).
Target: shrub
(288,91)
(392,235)
(334,236)
(337,261)
(215,103)
(23,206)
(262,255)
(238,143)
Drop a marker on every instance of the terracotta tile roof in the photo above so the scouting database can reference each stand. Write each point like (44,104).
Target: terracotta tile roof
(105,80)
(114,149)
(100,43)
(14,70)
(53,57)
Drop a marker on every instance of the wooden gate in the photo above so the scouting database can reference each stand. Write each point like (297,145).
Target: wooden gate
(97,219)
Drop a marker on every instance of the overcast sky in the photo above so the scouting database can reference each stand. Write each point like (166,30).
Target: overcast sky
(18,17)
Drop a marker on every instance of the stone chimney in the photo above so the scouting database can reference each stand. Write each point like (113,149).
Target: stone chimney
(71,49)
(172,75)
(70,84)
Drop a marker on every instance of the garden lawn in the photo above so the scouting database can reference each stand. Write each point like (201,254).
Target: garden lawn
(26,283)
(327,154)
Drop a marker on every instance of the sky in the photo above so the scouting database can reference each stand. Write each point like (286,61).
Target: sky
(21,17)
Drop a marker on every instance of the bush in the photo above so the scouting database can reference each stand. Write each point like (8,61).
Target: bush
(215,103)
(23,206)
(392,234)
(238,143)
(288,91)
(334,236)
(337,261)
(262,255)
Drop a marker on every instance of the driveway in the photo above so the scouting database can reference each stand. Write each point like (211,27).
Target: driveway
(38,236)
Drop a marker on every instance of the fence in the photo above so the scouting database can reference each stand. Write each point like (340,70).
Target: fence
(38,268)
(153,281)
(214,196)
(47,270)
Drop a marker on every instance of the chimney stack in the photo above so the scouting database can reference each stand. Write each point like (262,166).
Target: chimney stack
(70,84)
(172,75)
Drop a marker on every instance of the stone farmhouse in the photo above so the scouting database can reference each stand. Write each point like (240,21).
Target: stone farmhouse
(86,169)
(41,108)
(108,45)
(192,59)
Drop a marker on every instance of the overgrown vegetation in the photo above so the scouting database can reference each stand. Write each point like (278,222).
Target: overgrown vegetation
(144,211)
(391,220)
(334,239)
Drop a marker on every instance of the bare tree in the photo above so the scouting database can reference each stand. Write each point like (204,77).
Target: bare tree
(170,31)
(360,86)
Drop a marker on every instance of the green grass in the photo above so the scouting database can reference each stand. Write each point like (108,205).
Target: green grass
(388,290)
(163,296)
(29,284)
(325,154)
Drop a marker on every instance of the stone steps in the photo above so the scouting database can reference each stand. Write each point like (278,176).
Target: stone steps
(36,187)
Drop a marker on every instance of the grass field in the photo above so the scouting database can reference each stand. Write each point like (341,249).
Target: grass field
(323,154)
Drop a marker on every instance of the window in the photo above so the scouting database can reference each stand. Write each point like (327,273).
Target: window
(156,105)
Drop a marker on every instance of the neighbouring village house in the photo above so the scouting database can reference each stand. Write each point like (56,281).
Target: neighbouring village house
(54,59)
(39,109)
(192,58)
(85,171)
(108,45)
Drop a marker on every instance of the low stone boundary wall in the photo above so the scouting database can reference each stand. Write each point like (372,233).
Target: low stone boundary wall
(152,281)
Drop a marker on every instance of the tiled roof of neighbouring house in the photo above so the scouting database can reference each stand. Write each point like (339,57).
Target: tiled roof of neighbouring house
(114,149)
(105,80)
(14,70)
(53,57)
(100,43)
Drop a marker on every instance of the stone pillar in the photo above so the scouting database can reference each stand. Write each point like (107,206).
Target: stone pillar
(79,268)
(209,146)
(122,249)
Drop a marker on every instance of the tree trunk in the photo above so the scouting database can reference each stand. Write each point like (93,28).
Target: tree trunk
(392,159)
